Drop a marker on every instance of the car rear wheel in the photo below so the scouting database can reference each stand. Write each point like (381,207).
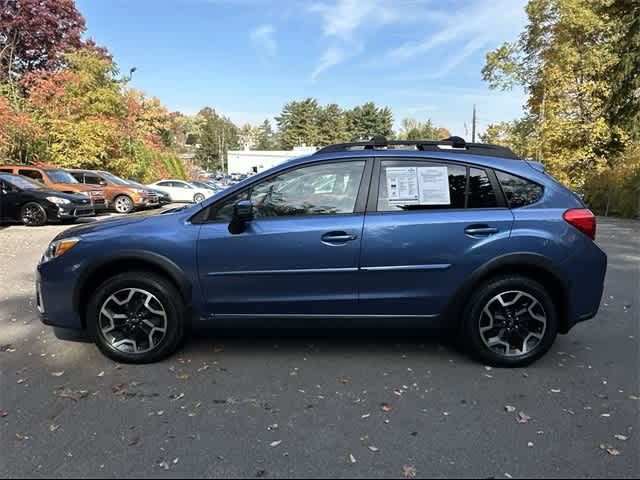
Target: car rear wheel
(510,322)
(33,215)
(123,204)
(199,197)
(136,317)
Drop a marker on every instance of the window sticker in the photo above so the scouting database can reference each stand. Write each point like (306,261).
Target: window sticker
(402,186)
(434,186)
(418,186)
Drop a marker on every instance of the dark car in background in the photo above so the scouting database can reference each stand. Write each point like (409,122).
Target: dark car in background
(61,181)
(29,202)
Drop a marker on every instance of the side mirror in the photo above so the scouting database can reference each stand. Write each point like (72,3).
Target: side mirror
(103,183)
(242,213)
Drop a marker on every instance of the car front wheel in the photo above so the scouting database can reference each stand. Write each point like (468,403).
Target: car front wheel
(33,215)
(123,204)
(510,322)
(136,317)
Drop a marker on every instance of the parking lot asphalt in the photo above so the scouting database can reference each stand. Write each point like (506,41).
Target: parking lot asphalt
(319,403)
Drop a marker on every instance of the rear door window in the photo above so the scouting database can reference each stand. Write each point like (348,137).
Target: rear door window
(92,179)
(481,192)
(518,191)
(32,174)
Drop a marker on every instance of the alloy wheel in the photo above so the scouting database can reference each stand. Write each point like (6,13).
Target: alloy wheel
(513,324)
(123,205)
(33,215)
(133,321)
(198,198)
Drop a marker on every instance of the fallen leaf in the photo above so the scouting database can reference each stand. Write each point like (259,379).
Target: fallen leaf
(57,374)
(523,418)
(510,409)
(54,428)
(352,459)
(622,438)
(275,444)
(3,413)
(610,450)
(101,374)
(386,407)
(75,395)
(409,471)
(374,449)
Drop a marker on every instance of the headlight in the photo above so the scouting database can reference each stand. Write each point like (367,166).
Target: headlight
(59,247)
(58,200)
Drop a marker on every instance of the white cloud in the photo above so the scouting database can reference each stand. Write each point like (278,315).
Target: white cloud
(263,39)
(463,31)
(482,23)
(331,57)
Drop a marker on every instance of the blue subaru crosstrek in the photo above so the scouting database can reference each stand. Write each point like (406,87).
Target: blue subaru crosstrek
(379,233)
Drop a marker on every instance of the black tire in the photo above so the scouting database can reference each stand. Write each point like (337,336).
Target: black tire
(198,197)
(169,298)
(33,214)
(471,321)
(123,204)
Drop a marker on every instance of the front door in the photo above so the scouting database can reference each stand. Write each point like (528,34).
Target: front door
(299,256)
(428,226)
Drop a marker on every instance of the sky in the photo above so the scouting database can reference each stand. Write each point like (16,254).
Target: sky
(247,58)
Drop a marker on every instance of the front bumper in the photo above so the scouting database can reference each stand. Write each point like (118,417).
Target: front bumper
(71,212)
(54,297)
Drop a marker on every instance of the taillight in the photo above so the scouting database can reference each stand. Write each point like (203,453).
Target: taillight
(583,219)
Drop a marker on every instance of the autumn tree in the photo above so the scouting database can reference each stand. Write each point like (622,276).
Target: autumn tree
(34,34)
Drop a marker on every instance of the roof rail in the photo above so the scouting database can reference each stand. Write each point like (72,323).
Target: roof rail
(455,144)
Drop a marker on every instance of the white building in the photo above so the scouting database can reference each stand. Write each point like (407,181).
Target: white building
(255,161)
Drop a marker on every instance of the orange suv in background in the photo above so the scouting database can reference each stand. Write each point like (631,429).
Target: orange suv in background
(121,195)
(60,181)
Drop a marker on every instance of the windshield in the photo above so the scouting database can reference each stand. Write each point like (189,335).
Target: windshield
(113,179)
(135,184)
(24,183)
(60,176)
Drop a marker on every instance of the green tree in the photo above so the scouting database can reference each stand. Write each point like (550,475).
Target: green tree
(298,124)
(365,121)
(332,125)
(266,137)
(412,129)
(216,136)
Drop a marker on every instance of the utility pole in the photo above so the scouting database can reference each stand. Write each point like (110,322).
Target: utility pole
(473,127)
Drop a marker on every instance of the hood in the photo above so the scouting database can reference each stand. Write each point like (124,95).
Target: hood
(102,225)
(47,192)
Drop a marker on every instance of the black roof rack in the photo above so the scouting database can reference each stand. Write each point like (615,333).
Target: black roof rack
(454,144)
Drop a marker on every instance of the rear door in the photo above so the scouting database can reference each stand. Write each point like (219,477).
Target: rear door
(428,225)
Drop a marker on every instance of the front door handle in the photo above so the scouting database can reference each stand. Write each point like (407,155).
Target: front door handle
(480,231)
(338,237)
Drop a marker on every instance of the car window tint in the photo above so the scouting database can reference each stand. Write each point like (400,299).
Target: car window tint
(32,174)
(481,193)
(421,186)
(223,212)
(92,179)
(326,189)
(518,191)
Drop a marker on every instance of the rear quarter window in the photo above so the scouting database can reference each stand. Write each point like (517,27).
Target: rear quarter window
(519,192)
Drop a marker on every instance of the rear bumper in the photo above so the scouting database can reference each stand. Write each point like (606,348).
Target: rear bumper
(587,270)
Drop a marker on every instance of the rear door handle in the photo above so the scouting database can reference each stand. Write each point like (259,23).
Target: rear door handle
(338,237)
(480,231)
